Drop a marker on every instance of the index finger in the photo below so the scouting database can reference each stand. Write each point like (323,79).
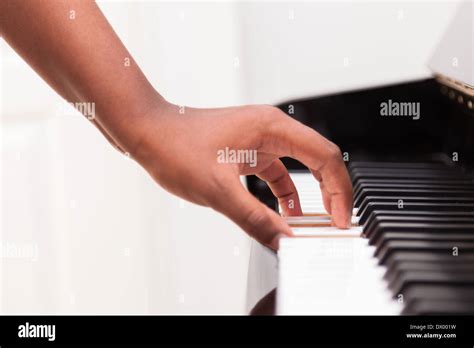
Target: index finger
(291,138)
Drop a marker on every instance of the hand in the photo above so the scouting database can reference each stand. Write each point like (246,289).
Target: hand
(184,150)
(180,151)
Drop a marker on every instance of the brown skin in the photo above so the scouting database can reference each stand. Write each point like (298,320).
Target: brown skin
(84,61)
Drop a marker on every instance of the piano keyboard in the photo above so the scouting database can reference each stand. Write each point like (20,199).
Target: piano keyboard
(410,250)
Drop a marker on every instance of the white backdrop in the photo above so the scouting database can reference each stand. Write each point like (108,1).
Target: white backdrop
(85,230)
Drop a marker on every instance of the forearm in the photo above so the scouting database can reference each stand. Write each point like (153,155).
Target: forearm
(80,56)
(73,47)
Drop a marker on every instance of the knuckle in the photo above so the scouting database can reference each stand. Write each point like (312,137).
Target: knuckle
(268,123)
(269,116)
(334,152)
(276,124)
(269,110)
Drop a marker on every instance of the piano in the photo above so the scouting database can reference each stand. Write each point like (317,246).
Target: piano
(411,248)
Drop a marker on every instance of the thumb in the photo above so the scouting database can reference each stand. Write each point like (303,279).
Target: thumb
(255,218)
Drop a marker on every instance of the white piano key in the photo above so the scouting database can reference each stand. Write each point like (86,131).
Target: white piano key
(331,276)
(326,232)
(311,220)
(334,273)
(307,219)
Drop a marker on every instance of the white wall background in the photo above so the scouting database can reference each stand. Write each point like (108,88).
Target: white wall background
(84,230)
(109,240)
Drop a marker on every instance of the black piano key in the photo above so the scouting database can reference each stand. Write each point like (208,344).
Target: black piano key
(368,223)
(415,214)
(396,165)
(408,224)
(419,190)
(460,278)
(401,201)
(422,236)
(412,193)
(358,174)
(450,171)
(441,227)
(437,292)
(360,187)
(455,181)
(424,209)
(438,307)
(402,260)
(393,207)
(425,256)
(407,266)
(436,247)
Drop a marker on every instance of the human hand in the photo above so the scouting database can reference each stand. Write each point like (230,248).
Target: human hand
(85,62)
(186,151)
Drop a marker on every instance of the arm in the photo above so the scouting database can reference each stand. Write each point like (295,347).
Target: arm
(75,50)
(84,61)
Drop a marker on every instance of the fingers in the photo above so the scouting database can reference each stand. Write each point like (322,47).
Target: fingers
(277,177)
(291,138)
(324,192)
(259,221)
(337,193)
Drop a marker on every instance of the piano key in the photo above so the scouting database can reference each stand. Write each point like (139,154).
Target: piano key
(330,276)
(407,266)
(408,207)
(372,189)
(381,223)
(396,236)
(435,247)
(436,216)
(398,286)
(451,292)
(412,227)
(313,221)
(443,171)
(412,193)
(396,165)
(418,213)
(401,201)
(411,182)
(406,174)
(400,186)
(437,307)
(424,256)
(326,232)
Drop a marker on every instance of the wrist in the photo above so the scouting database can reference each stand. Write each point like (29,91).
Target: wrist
(147,130)
(130,126)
